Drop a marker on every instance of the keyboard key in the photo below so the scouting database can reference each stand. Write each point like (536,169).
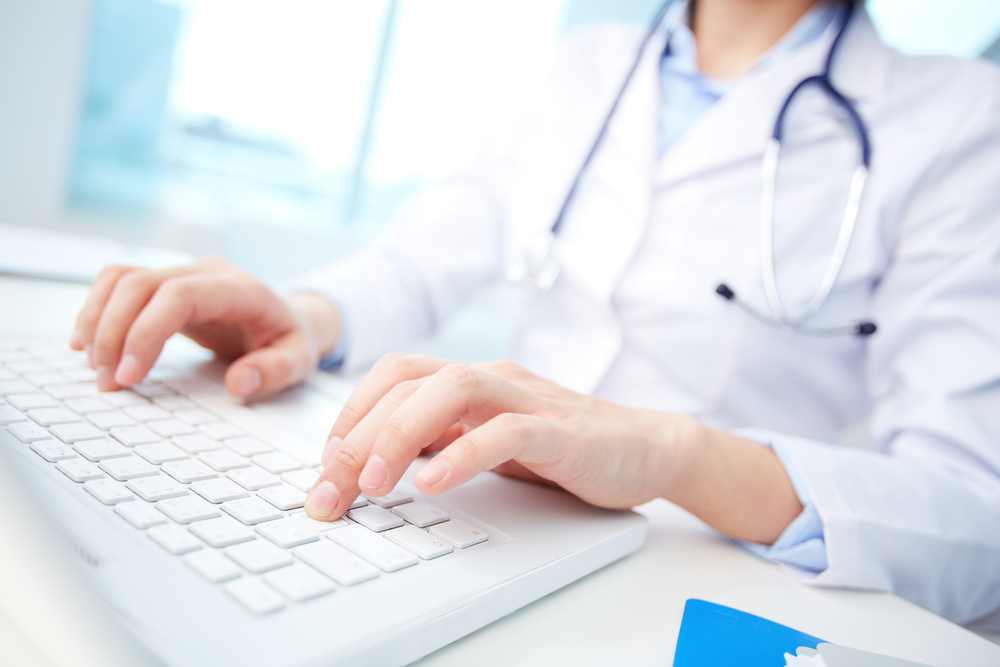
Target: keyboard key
(259,556)
(425,545)
(174,539)
(50,416)
(108,492)
(127,468)
(78,390)
(153,389)
(195,416)
(83,406)
(299,582)
(283,497)
(140,515)
(213,566)
(188,509)
(28,432)
(174,403)
(53,450)
(251,511)
(255,595)
(8,415)
(221,430)
(458,533)
(108,420)
(222,532)
(79,470)
(276,462)
(196,443)
(76,432)
(16,387)
(375,518)
(360,501)
(373,547)
(145,412)
(168,428)
(14,355)
(80,374)
(188,470)
(395,497)
(31,401)
(224,460)
(157,487)
(98,450)
(253,478)
(123,397)
(219,490)
(63,360)
(44,379)
(247,446)
(287,533)
(28,366)
(301,479)
(130,436)
(421,513)
(318,526)
(160,452)
(336,562)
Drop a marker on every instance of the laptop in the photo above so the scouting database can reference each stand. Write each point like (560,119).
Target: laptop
(182,509)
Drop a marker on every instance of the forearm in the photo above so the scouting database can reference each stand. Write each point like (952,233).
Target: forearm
(736,485)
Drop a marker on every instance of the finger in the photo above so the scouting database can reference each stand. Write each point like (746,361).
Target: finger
(175,302)
(269,369)
(389,371)
(509,436)
(129,295)
(455,392)
(337,486)
(87,318)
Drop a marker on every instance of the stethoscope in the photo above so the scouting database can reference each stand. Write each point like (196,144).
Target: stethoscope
(538,271)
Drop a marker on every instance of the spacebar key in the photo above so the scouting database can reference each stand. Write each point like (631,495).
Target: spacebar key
(373,548)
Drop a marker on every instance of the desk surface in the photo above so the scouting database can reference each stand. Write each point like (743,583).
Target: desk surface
(630,612)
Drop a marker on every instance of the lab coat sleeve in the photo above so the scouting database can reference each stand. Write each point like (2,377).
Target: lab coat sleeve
(921,515)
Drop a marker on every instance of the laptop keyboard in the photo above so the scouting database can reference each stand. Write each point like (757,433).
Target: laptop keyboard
(209,484)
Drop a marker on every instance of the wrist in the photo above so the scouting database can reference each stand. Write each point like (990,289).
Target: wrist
(320,320)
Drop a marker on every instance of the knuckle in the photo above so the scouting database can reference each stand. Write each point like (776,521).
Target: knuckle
(175,288)
(394,363)
(396,428)
(350,414)
(518,427)
(137,281)
(460,375)
(506,368)
(350,456)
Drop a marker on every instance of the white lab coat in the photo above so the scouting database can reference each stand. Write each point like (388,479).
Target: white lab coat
(634,318)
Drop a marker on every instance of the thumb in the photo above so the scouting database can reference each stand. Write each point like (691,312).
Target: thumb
(269,369)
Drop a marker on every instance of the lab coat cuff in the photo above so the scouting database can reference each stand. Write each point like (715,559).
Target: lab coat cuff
(335,359)
(801,545)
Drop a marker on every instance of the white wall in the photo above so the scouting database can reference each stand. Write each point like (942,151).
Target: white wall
(42,43)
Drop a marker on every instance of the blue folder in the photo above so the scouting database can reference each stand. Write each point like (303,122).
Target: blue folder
(712,635)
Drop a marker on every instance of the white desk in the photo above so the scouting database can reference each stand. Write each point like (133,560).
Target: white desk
(630,612)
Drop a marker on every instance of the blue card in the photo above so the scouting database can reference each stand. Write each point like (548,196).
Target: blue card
(715,636)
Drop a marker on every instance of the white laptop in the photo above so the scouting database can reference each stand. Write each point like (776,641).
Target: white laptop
(183,508)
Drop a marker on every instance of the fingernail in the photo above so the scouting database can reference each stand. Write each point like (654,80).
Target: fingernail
(248,381)
(331,446)
(127,368)
(373,476)
(76,339)
(89,349)
(433,472)
(322,500)
(105,380)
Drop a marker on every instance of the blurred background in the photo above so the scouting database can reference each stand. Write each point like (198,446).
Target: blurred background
(281,134)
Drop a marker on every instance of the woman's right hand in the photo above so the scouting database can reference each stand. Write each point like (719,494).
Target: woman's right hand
(131,312)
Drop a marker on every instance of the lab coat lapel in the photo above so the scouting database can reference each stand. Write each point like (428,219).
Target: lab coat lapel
(611,207)
(738,126)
